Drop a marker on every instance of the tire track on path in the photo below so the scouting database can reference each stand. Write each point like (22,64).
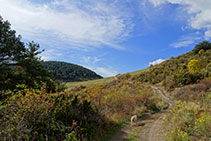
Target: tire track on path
(148,128)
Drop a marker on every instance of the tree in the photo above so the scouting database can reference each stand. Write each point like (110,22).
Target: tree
(201,51)
(11,47)
(19,64)
(194,66)
(11,52)
(205,45)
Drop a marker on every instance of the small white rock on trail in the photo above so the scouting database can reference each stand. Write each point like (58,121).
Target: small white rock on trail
(149,128)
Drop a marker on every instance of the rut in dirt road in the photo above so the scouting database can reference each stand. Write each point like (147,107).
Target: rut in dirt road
(149,128)
(153,131)
(160,93)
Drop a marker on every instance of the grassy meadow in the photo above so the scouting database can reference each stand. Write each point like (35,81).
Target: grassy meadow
(89,82)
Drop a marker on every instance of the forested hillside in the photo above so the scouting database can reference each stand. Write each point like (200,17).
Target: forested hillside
(69,72)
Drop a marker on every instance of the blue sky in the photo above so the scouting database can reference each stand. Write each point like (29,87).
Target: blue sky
(110,36)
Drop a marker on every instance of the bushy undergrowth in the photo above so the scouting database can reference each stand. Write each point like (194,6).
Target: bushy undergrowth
(177,72)
(188,122)
(195,93)
(190,118)
(82,113)
(32,114)
(120,98)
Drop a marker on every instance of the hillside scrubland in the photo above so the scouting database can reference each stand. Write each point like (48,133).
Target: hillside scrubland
(34,107)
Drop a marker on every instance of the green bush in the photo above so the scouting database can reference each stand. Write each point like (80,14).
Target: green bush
(32,114)
(205,45)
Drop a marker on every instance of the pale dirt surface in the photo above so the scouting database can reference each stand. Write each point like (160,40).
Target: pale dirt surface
(149,128)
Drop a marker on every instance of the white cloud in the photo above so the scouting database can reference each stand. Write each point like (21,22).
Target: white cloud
(208,34)
(50,54)
(97,64)
(199,11)
(103,71)
(80,24)
(158,61)
(106,72)
(157,2)
(186,41)
(91,60)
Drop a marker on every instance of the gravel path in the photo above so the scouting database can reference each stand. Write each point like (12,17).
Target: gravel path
(148,128)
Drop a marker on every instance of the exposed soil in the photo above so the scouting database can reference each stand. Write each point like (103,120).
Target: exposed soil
(148,128)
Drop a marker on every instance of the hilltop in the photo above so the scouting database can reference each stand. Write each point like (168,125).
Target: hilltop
(68,72)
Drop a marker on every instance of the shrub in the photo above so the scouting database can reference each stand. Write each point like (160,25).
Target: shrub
(202,126)
(194,66)
(201,51)
(179,121)
(31,114)
(194,92)
(205,45)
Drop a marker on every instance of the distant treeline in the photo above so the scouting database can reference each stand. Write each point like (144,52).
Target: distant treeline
(69,72)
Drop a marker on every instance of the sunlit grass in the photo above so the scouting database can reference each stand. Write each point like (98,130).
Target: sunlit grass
(100,81)
(90,82)
(132,137)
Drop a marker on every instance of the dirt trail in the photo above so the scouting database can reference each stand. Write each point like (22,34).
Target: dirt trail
(148,128)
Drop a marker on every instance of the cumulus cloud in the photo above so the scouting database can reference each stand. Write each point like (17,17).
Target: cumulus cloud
(199,11)
(78,23)
(158,61)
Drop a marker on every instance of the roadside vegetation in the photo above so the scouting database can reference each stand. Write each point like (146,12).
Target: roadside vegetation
(34,107)
(118,100)
(188,80)
(190,119)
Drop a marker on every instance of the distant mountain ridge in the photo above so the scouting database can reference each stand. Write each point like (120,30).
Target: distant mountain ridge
(68,72)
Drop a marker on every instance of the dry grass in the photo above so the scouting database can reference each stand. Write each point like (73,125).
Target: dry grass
(89,83)
(121,97)
(194,92)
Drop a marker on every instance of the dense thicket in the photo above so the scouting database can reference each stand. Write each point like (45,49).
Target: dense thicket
(69,72)
(19,63)
(33,114)
(181,70)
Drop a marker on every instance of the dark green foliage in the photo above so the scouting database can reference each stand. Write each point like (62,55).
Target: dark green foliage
(11,51)
(205,45)
(19,64)
(69,72)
